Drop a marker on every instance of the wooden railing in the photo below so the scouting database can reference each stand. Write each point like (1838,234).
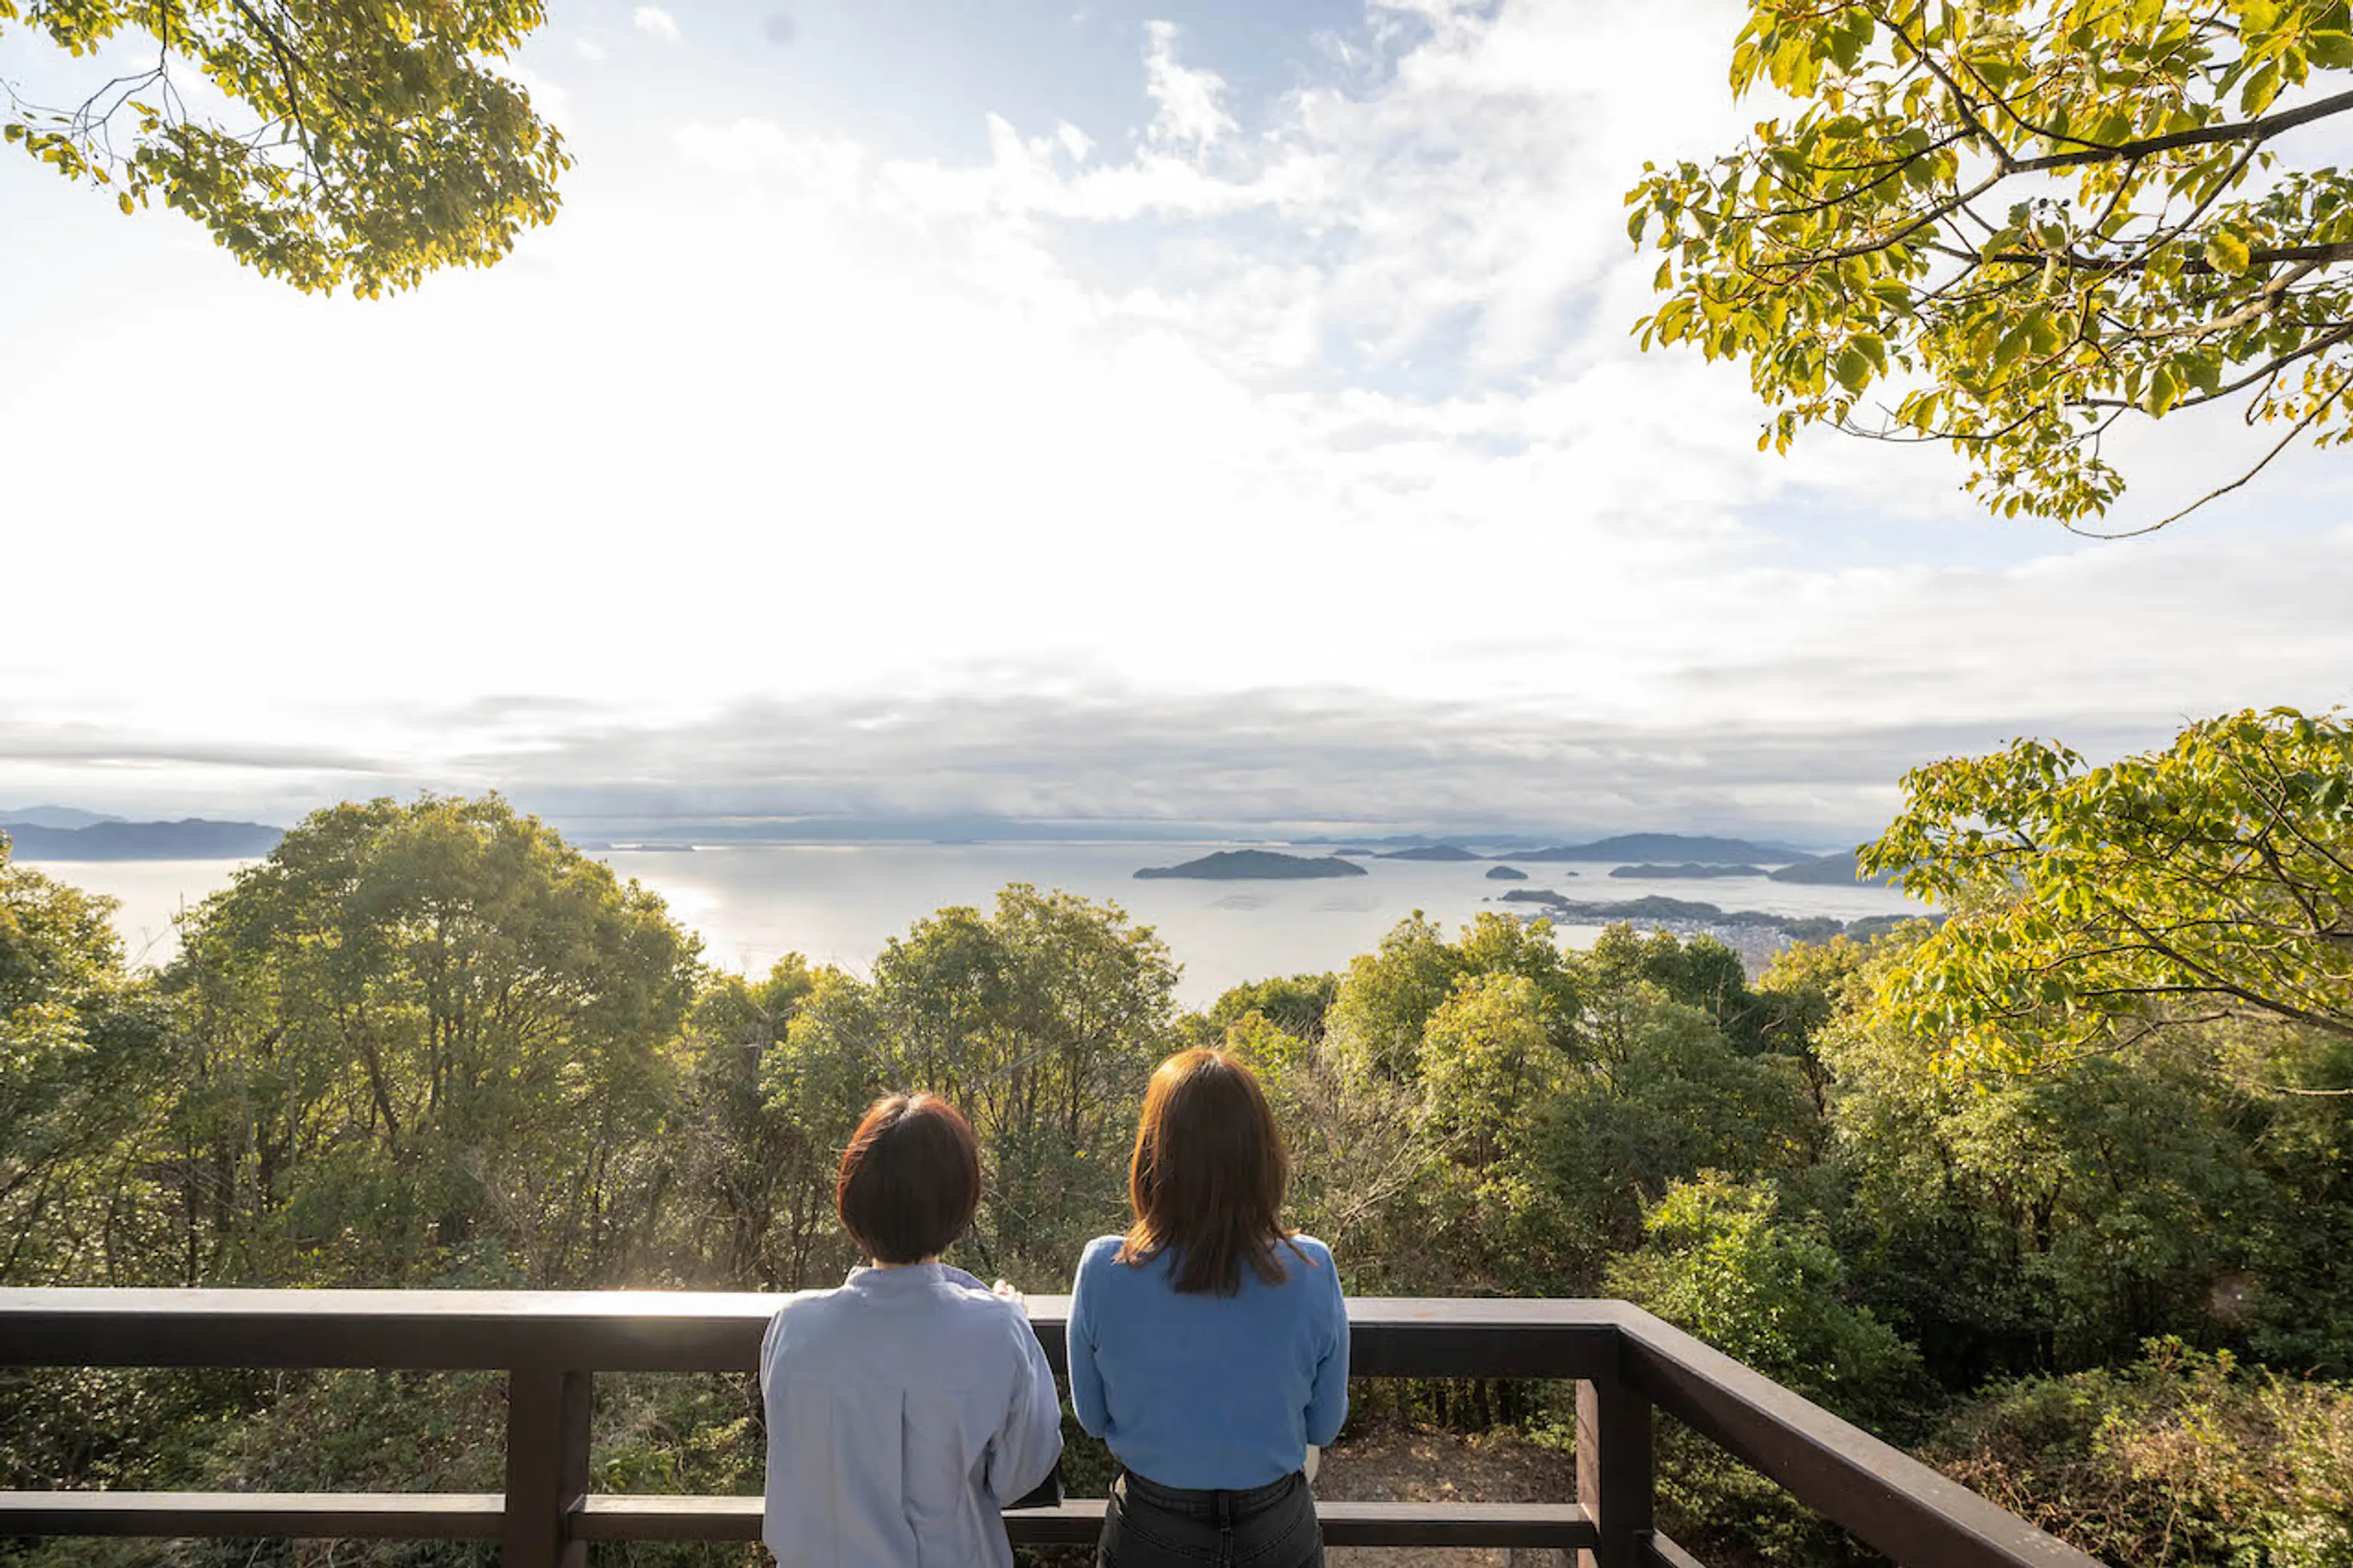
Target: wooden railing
(1626,1363)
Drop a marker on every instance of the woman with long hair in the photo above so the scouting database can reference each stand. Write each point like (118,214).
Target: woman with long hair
(1208,1345)
(908,1406)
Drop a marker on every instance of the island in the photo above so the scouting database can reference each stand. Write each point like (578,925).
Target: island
(1506,874)
(1755,934)
(1256,866)
(1686,872)
(1431,852)
(1833,871)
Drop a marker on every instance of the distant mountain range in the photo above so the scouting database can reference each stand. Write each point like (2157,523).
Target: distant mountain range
(54,817)
(1666,846)
(191,839)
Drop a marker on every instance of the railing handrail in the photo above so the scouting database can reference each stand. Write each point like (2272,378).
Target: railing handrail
(1624,1359)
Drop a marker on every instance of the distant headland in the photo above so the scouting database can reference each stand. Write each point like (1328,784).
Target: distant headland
(191,839)
(1256,866)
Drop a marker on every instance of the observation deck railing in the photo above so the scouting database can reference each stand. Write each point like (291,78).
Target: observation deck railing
(1626,1363)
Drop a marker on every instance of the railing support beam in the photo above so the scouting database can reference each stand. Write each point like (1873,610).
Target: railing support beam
(1613,1472)
(547,1466)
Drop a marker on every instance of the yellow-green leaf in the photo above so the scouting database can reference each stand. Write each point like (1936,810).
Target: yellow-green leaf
(2226,252)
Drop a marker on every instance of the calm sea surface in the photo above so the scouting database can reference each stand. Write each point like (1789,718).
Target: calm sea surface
(836,903)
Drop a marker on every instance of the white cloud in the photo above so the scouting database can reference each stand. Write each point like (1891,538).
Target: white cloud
(1190,113)
(1327,393)
(590,49)
(655,22)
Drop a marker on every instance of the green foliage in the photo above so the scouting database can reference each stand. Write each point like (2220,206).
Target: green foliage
(760,1125)
(78,1058)
(1660,1097)
(383,142)
(2179,1458)
(1702,973)
(1387,998)
(1040,1022)
(1389,994)
(1719,1260)
(1297,1005)
(416,1026)
(2056,1219)
(2021,222)
(2212,880)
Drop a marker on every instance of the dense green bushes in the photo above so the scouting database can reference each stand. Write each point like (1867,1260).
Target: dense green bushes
(2178,1457)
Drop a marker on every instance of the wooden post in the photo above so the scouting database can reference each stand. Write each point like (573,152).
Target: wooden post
(547,1466)
(1613,1472)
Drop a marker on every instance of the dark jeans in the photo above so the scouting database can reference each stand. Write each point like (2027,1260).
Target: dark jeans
(1149,1526)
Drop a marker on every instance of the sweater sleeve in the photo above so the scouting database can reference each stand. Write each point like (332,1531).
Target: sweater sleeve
(1328,1403)
(1086,1378)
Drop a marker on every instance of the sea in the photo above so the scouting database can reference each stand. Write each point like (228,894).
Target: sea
(838,903)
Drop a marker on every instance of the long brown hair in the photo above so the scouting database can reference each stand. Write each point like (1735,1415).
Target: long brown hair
(1207,1175)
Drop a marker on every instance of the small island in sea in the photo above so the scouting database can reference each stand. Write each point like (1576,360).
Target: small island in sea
(1506,874)
(1256,866)
(1689,869)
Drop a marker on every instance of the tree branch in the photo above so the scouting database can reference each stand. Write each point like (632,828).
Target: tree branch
(2258,130)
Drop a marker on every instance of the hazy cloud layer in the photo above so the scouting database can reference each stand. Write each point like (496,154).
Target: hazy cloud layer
(1290,761)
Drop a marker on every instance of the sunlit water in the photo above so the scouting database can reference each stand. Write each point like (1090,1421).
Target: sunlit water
(838,903)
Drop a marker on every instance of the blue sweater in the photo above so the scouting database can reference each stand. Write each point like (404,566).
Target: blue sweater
(1203,1391)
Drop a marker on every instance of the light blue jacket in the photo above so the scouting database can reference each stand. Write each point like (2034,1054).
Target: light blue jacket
(905,1410)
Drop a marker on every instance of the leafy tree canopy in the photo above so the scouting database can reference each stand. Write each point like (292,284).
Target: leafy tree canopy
(1722,1262)
(2209,881)
(2020,222)
(378,141)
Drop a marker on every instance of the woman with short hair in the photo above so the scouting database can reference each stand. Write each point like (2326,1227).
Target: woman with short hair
(1208,1345)
(908,1406)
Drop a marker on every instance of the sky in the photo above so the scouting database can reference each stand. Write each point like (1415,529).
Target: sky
(1222,414)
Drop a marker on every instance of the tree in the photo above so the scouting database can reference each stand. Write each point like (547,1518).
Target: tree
(1041,1022)
(77,1067)
(2208,881)
(416,1031)
(2058,1219)
(2024,222)
(384,143)
(1720,1260)
(1658,1096)
(1295,1005)
(747,1155)
(1388,997)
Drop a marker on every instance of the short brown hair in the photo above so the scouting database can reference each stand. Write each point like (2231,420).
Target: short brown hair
(910,1179)
(1207,1175)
